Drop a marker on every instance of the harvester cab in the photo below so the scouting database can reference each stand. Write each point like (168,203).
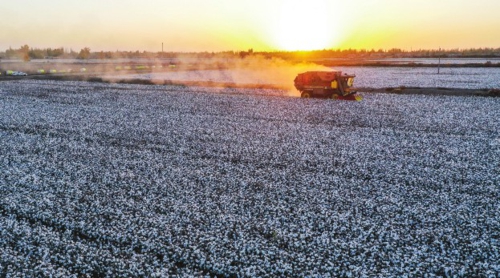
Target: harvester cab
(326,84)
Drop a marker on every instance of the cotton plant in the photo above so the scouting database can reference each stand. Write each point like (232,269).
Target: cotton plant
(135,180)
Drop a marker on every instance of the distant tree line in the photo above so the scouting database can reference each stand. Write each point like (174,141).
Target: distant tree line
(27,53)
(390,53)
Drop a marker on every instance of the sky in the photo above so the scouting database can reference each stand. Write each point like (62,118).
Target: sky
(261,25)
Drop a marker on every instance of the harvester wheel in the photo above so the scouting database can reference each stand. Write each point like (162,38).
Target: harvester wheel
(305,94)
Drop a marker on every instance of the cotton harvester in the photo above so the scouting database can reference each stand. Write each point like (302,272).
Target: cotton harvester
(326,84)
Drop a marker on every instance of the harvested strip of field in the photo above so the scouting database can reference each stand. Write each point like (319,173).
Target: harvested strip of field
(434,91)
(273,90)
(135,180)
(366,77)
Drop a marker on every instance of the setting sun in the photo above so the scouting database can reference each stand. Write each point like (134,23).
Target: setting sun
(307,26)
(261,25)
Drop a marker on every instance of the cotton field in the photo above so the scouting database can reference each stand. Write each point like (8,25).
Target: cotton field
(113,180)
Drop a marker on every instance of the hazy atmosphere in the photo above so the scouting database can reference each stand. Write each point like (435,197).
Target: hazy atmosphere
(264,138)
(264,25)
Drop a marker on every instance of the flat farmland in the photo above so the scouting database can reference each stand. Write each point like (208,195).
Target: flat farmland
(366,77)
(107,180)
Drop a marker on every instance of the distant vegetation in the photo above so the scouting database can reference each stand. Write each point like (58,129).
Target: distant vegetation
(84,53)
(391,53)
(27,53)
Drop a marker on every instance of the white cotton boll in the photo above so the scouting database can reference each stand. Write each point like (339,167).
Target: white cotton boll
(203,180)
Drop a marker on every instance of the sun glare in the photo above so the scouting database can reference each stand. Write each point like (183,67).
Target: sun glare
(306,26)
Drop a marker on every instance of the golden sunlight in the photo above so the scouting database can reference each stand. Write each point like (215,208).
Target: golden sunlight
(306,26)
